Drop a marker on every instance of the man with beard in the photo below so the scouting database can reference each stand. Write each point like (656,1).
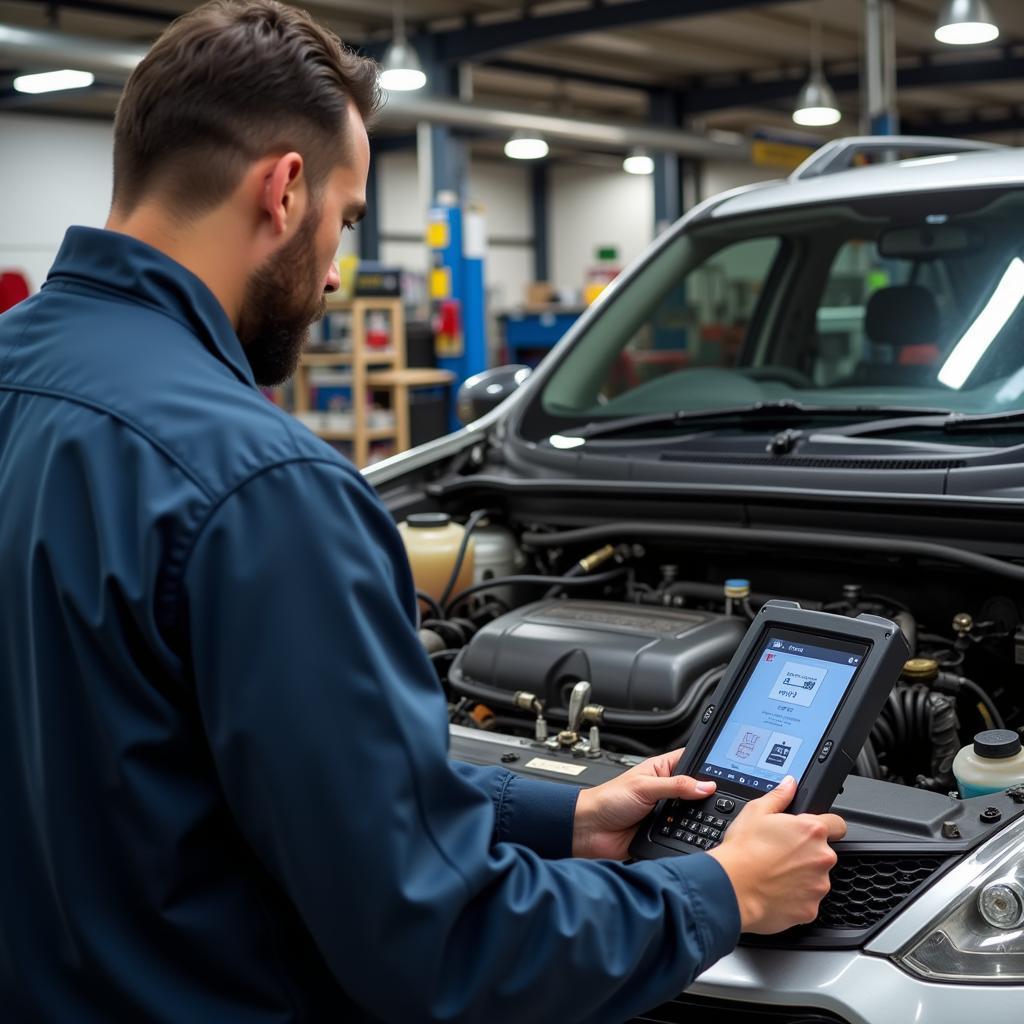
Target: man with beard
(223,766)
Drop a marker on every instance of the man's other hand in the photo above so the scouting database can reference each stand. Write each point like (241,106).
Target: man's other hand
(778,863)
(607,816)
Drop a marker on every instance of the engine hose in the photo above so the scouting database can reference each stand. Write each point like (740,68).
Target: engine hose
(908,626)
(432,605)
(954,684)
(536,581)
(576,570)
(471,524)
(916,720)
(866,765)
(770,539)
(944,739)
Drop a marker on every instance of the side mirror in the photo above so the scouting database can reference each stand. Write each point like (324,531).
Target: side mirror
(485,391)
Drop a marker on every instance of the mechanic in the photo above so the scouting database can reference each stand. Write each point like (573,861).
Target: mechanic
(223,760)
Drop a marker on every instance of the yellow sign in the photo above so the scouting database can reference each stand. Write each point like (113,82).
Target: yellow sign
(786,155)
(437,234)
(440,283)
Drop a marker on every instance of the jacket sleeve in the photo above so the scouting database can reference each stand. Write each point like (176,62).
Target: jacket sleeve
(328,730)
(527,811)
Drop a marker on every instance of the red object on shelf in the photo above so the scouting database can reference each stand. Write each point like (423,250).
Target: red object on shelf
(13,289)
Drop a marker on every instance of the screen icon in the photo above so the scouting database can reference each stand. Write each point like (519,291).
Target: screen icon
(777,644)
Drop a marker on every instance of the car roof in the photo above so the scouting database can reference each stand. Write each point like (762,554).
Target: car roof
(986,169)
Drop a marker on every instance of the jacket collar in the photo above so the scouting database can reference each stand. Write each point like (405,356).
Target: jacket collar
(113,262)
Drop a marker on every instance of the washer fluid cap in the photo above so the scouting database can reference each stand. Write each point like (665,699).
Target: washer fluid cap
(428,520)
(997,743)
(737,588)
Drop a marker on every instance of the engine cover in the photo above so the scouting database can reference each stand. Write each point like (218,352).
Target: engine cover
(636,658)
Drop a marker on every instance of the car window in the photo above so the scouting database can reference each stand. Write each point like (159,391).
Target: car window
(704,320)
(847,304)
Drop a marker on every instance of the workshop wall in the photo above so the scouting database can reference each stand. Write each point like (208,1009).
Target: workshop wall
(590,207)
(54,172)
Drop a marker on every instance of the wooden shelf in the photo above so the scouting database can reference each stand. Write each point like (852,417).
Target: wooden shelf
(410,377)
(383,302)
(371,356)
(391,375)
(370,433)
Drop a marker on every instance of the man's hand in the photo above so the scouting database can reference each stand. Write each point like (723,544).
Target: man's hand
(607,815)
(778,863)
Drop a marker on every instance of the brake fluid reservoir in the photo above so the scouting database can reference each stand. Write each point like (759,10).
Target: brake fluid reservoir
(432,542)
(992,763)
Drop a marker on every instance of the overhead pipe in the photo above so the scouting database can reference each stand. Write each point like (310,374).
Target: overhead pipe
(32,47)
(28,47)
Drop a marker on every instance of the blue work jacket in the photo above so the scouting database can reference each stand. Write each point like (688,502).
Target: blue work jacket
(224,782)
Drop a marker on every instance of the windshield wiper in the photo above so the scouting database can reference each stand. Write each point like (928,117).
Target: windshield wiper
(947,422)
(785,412)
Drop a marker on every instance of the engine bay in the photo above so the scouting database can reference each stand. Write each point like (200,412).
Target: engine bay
(582,648)
(646,626)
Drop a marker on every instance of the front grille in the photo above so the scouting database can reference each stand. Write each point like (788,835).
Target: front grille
(687,1009)
(866,889)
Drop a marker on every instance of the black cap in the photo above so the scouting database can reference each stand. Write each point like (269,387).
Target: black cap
(424,520)
(996,743)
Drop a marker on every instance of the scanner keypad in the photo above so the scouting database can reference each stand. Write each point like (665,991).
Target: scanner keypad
(697,826)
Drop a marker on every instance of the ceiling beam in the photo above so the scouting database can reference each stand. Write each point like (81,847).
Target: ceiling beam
(970,125)
(476,41)
(752,92)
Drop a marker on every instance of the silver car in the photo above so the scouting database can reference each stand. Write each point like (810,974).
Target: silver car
(810,389)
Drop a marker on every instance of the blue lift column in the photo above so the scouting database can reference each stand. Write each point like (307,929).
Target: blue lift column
(456,239)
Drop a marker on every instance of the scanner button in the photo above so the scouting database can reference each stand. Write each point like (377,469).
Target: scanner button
(715,833)
(665,830)
(724,804)
(690,838)
(697,815)
(718,823)
(826,749)
(708,712)
(678,834)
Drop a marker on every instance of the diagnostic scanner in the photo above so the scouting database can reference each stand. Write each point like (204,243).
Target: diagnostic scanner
(798,698)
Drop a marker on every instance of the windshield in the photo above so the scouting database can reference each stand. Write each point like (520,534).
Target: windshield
(899,301)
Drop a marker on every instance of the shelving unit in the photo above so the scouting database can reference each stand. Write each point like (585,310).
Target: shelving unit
(371,369)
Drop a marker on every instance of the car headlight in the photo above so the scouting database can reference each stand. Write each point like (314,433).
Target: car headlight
(981,935)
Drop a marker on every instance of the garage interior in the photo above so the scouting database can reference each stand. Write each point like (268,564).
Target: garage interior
(640,109)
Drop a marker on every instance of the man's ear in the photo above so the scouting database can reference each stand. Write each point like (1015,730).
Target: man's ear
(284,195)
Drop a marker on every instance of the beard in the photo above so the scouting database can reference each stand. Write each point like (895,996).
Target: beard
(282,299)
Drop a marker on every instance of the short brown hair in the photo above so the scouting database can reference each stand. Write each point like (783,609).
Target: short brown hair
(225,84)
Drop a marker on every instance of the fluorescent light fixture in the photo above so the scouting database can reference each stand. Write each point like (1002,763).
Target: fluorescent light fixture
(816,106)
(563,442)
(401,70)
(54,81)
(526,146)
(990,321)
(966,23)
(638,162)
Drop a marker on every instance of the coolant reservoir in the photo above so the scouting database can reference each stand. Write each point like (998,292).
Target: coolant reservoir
(432,542)
(992,763)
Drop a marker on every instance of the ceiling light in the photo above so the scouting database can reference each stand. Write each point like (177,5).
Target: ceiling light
(965,23)
(816,105)
(526,146)
(638,162)
(401,70)
(54,81)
